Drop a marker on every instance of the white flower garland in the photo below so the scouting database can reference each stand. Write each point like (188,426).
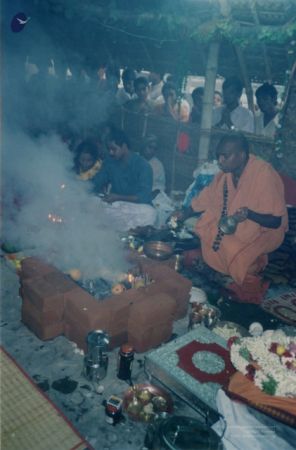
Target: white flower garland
(272,366)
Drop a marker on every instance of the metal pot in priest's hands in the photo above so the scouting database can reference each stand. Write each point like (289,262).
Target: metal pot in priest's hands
(228,224)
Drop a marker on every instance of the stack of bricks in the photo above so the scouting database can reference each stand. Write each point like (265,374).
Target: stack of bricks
(53,304)
(43,289)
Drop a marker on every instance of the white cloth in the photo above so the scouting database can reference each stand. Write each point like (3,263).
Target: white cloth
(270,129)
(155,91)
(158,174)
(122,96)
(244,431)
(242,118)
(164,208)
(127,215)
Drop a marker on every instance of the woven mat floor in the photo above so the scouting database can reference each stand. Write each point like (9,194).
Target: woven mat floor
(28,419)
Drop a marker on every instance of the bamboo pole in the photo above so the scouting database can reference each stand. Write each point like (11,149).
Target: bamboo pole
(208,101)
(263,47)
(246,78)
(225,8)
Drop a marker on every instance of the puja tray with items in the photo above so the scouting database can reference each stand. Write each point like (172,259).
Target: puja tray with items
(144,402)
(181,239)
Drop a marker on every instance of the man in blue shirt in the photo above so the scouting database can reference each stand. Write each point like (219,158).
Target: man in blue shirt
(130,178)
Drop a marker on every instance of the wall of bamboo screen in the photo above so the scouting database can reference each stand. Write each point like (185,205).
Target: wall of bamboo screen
(179,166)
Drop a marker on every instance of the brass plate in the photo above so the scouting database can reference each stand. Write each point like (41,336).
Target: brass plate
(156,393)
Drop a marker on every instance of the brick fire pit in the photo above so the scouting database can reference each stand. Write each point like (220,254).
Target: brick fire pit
(53,304)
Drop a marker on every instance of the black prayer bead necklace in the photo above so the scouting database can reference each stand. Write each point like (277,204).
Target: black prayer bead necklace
(220,234)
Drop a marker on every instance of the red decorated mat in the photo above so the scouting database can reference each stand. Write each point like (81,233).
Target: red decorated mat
(244,390)
(186,354)
(283,307)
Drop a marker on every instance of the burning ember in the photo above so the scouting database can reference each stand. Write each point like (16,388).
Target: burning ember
(54,218)
(100,289)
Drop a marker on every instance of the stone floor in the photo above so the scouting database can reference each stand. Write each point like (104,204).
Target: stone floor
(56,366)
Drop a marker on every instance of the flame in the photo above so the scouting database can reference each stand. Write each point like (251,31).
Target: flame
(130,278)
(54,218)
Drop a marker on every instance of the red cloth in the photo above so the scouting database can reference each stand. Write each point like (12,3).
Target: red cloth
(252,290)
(185,362)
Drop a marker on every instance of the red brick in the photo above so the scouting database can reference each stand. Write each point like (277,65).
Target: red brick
(120,306)
(44,318)
(118,339)
(172,283)
(35,268)
(151,311)
(42,332)
(61,282)
(150,337)
(180,292)
(81,307)
(43,295)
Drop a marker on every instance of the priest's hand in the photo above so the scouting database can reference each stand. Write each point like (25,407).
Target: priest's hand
(241,214)
(110,198)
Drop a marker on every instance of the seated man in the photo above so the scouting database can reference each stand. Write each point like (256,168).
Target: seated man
(156,84)
(266,120)
(130,179)
(149,153)
(232,115)
(161,201)
(250,190)
(177,110)
(140,104)
(127,92)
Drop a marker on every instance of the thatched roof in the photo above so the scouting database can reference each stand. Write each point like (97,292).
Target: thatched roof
(169,35)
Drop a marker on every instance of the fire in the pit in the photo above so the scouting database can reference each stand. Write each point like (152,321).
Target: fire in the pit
(100,288)
(54,218)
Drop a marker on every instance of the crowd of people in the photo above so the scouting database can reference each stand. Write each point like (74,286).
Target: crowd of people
(247,190)
(80,97)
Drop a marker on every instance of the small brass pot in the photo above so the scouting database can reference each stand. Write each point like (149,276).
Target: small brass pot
(228,224)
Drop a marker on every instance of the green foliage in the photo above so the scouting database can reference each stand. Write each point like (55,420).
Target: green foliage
(244,353)
(278,35)
(269,387)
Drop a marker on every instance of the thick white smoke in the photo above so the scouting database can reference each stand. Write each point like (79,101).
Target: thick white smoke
(38,181)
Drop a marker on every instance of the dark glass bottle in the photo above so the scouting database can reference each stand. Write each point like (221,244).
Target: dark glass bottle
(125,362)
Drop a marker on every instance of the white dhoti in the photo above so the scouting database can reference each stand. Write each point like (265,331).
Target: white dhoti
(126,215)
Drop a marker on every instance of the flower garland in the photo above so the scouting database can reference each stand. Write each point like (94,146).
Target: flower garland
(89,174)
(269,361)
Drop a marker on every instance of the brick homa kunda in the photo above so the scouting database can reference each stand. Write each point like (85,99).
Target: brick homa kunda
(53,305)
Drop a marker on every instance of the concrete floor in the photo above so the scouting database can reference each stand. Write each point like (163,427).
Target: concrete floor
(57,364)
